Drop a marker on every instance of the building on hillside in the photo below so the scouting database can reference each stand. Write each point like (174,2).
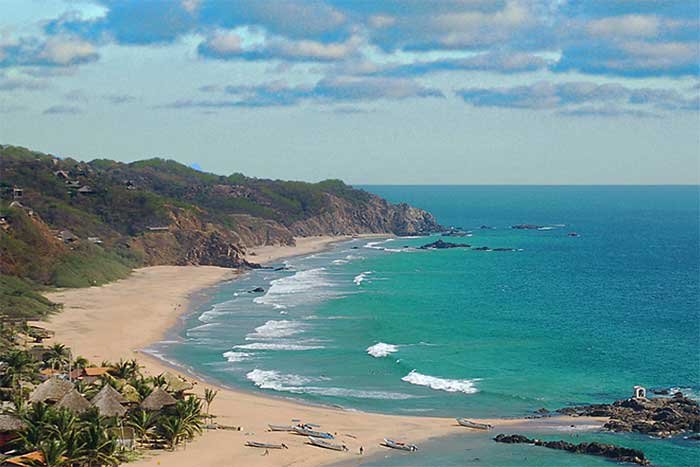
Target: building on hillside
(85,190)
(67,236)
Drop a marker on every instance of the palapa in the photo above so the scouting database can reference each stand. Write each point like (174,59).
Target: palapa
(74,402)
(109,391)
(157,400)
(109,406)
(51,390)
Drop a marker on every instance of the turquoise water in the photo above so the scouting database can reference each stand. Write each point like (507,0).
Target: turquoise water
(375,324)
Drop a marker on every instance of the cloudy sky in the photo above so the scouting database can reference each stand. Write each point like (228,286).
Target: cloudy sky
(370,91)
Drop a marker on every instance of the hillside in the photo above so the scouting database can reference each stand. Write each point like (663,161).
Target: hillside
(68,223)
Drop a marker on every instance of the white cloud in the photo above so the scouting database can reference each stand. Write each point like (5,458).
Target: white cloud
(66,51)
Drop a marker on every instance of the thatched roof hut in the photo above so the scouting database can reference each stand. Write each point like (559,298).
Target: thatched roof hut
(51,390)
(109,391)
(109,406)
(109,402)
(175,383)
(10,423)
(74,402)
(157,400)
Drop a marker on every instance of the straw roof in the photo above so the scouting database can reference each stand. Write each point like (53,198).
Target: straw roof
(109,402)
(74,402)
(109,391)
(109,406)
(175,383)
(10,423)
(157,400)
(52,390)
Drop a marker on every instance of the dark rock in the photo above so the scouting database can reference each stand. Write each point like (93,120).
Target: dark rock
(661,392)
(442,245)
(610,451)
(525,226)
(662,417)
(354,248)
(486,227)
(257,290)
(481,248)
(503,249)
(572,234)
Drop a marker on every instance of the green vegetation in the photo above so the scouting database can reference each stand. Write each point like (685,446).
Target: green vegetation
(66,223)
(18,298)
(67,430)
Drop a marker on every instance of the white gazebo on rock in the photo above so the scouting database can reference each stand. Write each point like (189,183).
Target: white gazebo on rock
(640,392)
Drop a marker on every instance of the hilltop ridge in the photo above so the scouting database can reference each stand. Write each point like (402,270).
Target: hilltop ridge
(70,223)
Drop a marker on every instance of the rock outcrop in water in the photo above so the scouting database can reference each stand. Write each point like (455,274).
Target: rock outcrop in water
(443,245)
(609,451)
(660,417)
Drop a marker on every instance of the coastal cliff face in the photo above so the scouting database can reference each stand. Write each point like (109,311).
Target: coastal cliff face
(65,222)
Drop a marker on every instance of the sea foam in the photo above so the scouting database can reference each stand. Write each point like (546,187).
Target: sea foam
(381,349)
(466,386)
(361,277)
(301,287)
(273,329)
(278,346)
(297,384)
(232,356)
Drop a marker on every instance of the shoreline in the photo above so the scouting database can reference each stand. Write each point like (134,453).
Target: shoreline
(110,323)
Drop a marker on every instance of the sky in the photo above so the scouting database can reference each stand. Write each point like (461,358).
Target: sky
(368,91)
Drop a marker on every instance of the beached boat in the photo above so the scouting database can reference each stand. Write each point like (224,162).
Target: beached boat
(390,443)
(474,425)
(322,443)
(281,427)
(302,430)
(255,444)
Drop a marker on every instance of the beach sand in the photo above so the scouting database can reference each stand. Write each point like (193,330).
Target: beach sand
(115,321)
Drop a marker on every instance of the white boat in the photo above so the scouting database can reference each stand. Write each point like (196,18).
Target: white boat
(280,427)
(303,430)
(255,444)
(474,425)
(390,443)
(322,443)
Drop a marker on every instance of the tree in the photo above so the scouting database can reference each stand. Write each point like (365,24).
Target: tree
(19,365)
(143,422)
(57,356)
(209,396)
(99,447)
(172,429)
(54,452)
(125,369)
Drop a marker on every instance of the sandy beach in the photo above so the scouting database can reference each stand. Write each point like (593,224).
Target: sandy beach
(115,321)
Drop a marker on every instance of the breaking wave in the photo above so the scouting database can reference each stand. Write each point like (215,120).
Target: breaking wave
(381,349)
(232,356)
(466,386)
(278,346)
(361,277)
(301,287)
(276,329)
(296,384)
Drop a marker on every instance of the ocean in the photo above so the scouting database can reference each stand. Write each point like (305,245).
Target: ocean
(550,321)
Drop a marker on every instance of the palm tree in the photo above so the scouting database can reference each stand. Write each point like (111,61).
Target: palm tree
(19,365)
(57,356)
(99,447)
(143,422)
(80,362)
(209,396)
(125,369)
(54,452)
(172,429)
